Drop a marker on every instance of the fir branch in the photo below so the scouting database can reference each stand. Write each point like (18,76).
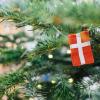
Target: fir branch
(8,55)
(7,81)
(36,13)
(48,44)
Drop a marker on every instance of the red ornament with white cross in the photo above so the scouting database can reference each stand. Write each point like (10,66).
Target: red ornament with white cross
(81,52)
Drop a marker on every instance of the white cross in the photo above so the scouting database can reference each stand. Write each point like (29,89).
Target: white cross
(80,45)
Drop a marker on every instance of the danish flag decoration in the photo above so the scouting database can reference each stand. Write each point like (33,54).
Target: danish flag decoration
(81,52)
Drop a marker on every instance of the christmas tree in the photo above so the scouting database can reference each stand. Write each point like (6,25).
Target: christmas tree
(42,52)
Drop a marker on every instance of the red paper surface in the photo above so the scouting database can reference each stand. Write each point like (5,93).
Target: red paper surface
(87,51)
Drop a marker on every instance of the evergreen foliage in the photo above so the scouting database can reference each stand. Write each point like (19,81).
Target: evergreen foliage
(54,19)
